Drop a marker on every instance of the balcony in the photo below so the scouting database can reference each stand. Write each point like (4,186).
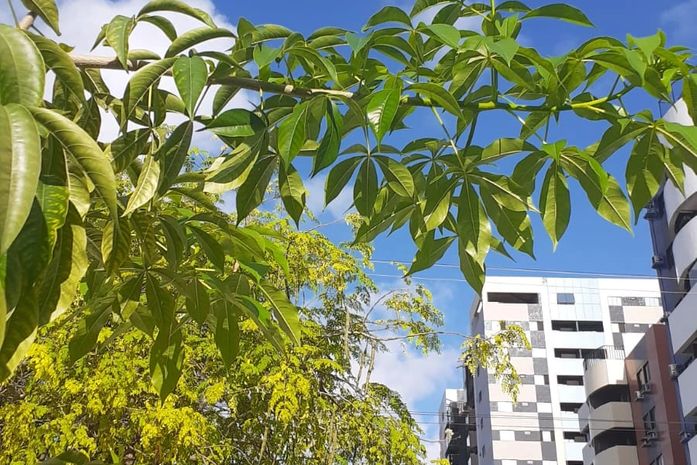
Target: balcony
(611,415)
(692,446)
(588,454)
(571,394)
(604,367)
(574,450)
(579,340)
(618,455)
(584,414)
(688,394)
(683,325)
(685,249)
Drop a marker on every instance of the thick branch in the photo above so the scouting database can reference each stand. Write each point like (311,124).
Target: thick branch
(98,62)
(28,21)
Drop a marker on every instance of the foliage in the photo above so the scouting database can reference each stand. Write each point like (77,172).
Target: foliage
(92,226)
(314,404)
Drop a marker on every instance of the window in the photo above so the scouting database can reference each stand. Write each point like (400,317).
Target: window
(545,379)
(644,375)
(614,301)
(574,436)
(591,326)
(570,380)
(574,462)
(650,420)
(513,297)
(564,326)
(653,302)
(548,436)
(565,298)
(567,353)
(570,407)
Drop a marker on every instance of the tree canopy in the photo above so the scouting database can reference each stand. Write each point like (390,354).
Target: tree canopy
(126,230)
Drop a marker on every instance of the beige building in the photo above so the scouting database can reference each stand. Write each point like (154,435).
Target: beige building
(566,320)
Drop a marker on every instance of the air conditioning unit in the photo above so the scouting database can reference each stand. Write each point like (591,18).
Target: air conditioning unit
(639,395)
(645,388)
(657,262)
(686,436)
(674,371)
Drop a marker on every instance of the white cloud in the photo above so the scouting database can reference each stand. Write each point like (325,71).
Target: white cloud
(679,19)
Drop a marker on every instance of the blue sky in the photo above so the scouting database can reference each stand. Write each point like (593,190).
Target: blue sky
(590,243)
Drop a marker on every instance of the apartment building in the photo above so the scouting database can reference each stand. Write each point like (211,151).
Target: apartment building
(566,320)
(631,412)
(673,226)
(457,426)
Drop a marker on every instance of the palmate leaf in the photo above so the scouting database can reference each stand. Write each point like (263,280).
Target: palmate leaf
(293,192)
(20,156)
(285,313)
(167,360)
(141,82)
(252,192)
(20,332)
(118,33)
(195,37)
(147,185)
(58,61)
(23,70)
(84,150)
(555,203)
(197,301)
(382,108)
(227,331)
(292,132)
(560,11)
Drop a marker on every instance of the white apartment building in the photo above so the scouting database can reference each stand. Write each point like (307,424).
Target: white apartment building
(673,219)
(565,319)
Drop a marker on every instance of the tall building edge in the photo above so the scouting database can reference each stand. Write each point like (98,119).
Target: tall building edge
(672,217)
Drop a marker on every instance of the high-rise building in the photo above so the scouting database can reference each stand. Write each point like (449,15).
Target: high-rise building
(631,412)
(566,320)
(672,218)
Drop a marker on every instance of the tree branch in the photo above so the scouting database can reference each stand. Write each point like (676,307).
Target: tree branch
(100,62)
(28,21)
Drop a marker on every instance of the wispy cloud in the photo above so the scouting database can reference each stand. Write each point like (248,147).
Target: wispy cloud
(680,19)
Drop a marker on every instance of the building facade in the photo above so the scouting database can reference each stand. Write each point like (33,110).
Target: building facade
(566,320)
(631,414)
(672,218)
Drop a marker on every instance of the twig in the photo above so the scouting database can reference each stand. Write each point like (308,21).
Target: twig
(28,21)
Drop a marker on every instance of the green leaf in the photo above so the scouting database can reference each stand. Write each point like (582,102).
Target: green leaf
(23,71)
(265,55)
(197,301)
(116,245)
(190,77)
(172,155)
(118,33)
(53,200)
(555,203)
(514,226)
(439,97)
(328,150)
(166,361)
(47,10)
(20,158)
(160,303)
(177,6)
(389,14)
(20,332)
(560,11)
(430,251)
(128,147)
(398,177)
(147,185)
(85,338)
(505,48)
(472,223)
(438,195)
(223,96)
(689,94)
(285,313)
(339,176)
(227,331)
(236,123)
(602,190)
(233,169)
(58,284)
(293,192)
(472,269)
(421,5)
(446,33)
(84,150)
(365,189)
(252,192)
(61,64)
(141,82)
(210,246)
(162,23)
(616,137)
(195,37)
(356,42)
(382,109)
(504,147)
(645,170)
(292,133)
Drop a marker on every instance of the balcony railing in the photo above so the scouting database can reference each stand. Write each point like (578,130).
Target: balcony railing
(602,353)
